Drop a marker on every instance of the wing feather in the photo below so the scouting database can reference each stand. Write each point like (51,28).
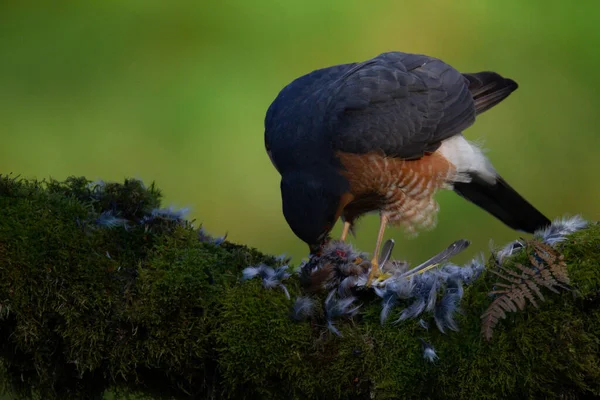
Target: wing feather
(401,104)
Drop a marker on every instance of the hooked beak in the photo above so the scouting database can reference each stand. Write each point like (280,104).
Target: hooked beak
(317,249)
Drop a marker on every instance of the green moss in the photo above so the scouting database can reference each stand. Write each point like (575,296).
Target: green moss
(89,305)
(152,309)
(550,352)
(254,315)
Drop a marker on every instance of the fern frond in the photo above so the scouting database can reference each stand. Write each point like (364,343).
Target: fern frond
(517,297)
(512,273)
(554,260)
(490,320)
(526,290)
(507,301)
(535,262)
(499,291)
(505,277)
(504,285)
(497,311)
(536,289)
(523,284)
(546,253)
(559,270)
(526,270)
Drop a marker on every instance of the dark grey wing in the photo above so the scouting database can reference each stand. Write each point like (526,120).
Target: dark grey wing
(401,104)
(293,121)
(289,107)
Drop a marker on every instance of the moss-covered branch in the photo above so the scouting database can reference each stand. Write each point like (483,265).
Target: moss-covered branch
(101,289)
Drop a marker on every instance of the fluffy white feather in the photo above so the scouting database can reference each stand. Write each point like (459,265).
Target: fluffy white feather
(467,158)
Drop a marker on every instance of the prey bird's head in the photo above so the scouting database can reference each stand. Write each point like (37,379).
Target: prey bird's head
(311,206)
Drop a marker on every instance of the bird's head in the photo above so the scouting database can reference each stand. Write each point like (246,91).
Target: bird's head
(311,206)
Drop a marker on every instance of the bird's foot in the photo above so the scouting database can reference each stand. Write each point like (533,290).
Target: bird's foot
(374,271)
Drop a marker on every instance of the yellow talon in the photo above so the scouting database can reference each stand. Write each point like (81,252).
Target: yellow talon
(374,271)
(383,276)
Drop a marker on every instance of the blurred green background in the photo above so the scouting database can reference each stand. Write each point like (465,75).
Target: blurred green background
(176,93)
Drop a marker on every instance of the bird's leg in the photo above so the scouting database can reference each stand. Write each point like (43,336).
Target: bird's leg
(347,225)
(374,262)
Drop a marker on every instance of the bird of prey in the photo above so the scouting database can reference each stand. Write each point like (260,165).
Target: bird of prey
(383,136)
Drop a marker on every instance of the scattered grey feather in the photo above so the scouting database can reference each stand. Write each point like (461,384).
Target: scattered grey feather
(432,296)
(338,308)
(423,324)
(251,272)
(303,308)
(394,290)
(388,302)
(346,285)
(218,241)
(285,291)
(361,281)
(269,281)
(448,306)
(302,267)
(428,351)
(282,258)
(271,278)
(467,274)
(430,355)
(109,220)
(423,289)
(470,273)
(96,185)
(403,288)
(560,228)
(281,273)
(412,311)
(508,251)
(445,254)
(204,237)
(96,189)
(170,213)
(332,328)
(397,267)
(386,252)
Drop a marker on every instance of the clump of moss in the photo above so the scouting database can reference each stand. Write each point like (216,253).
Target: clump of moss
(85,306)
(147,303)
(550,352)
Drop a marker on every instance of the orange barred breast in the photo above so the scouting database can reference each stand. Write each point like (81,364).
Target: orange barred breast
(400,189)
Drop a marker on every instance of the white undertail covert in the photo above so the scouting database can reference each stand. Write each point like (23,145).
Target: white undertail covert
(468,158)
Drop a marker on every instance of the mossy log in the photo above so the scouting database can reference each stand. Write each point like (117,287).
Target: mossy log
(100,290)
